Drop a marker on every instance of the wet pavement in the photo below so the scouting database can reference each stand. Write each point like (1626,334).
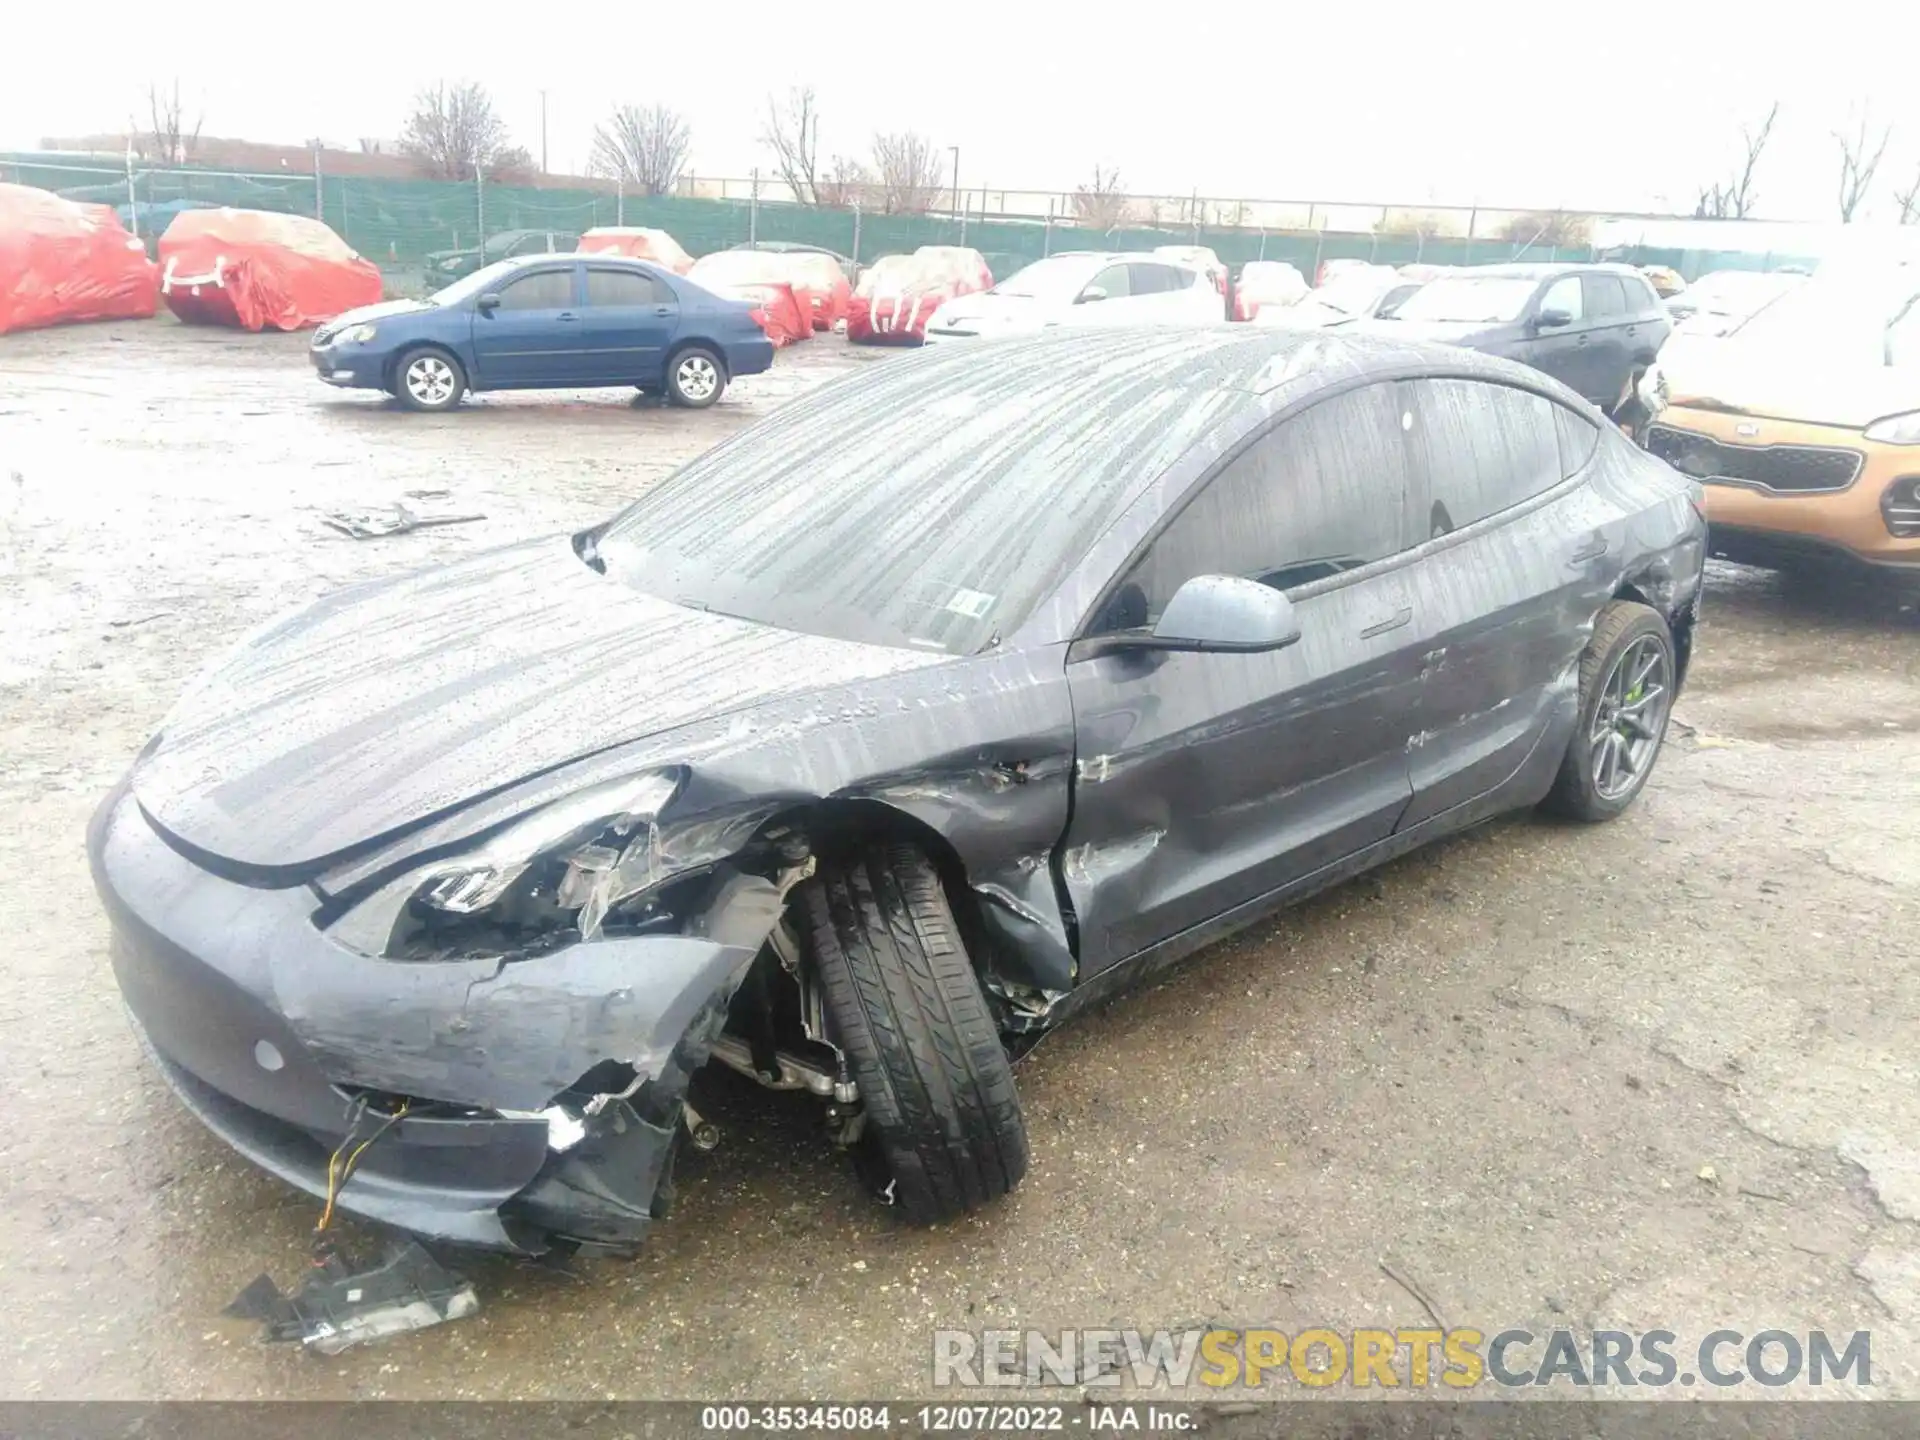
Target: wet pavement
(1655,1074)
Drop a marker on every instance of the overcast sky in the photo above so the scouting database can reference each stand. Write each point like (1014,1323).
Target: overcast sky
(1448,103)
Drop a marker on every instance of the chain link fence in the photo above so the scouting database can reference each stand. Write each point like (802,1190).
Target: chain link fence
(397,223)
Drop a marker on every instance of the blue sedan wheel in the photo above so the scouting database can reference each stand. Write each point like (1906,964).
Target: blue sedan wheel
(695,378)
(427,379)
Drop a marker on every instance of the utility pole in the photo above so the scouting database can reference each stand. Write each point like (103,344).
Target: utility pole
(319,196)
(543,132)
(956,181)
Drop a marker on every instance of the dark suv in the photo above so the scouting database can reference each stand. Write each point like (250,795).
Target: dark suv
(1594,328)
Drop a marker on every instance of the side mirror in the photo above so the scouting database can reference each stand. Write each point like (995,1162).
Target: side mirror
(487,303)
(1090,294)
(1225,612)
(1553,318)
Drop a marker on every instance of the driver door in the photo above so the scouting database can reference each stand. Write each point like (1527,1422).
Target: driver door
(533,337)
(1107,299)
(1205,781)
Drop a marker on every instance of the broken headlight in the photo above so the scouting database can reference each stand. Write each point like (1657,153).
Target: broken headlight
(548,877)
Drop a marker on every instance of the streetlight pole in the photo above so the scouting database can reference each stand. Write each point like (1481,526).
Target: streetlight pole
(956,178)
(543,132)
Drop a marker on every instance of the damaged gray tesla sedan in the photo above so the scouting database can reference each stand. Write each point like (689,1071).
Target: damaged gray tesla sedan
(866,747)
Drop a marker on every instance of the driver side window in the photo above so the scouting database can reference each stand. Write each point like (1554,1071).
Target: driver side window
(542,290)
(1113,280)
(1324,493)
(1563,294)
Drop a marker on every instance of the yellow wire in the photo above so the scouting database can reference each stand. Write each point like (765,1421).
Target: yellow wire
(346,1171)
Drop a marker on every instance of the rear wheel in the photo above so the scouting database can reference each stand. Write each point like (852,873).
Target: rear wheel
(1626,695)
(695,377)
(944,1133)
(428,379)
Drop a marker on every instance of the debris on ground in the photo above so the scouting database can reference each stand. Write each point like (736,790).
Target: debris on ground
(392,520)
(337,1306)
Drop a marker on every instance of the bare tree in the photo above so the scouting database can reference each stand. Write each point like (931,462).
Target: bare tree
(1909,202)
(1559,229)
(1101,202)
(455,133)
(1735,197)
(1859,158)
(846,184)
(169,137)
(792,132)
(645,147)
(908,168)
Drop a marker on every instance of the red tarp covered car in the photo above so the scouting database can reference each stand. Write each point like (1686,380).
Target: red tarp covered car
(255,269)
(898,294)
(641,244)
(817,281)
(58,262)
(757,277)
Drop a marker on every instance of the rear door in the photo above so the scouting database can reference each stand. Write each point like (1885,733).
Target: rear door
(629,319)
(1608,317)
(1209,781)
(534,336)
(1515,565)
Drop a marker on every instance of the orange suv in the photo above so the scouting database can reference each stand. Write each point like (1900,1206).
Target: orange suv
(1804,423)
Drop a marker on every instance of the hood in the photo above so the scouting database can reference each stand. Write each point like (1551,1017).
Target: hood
(1710,372)
(381,311)
(387,704)
(992,314)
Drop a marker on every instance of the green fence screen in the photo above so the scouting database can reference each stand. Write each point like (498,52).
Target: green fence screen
(396,223)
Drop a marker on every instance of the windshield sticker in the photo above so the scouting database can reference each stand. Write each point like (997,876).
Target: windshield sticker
(971,603)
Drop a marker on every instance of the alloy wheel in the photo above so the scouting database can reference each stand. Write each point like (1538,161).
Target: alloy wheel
(430,380)
(696,377)
(1631,717)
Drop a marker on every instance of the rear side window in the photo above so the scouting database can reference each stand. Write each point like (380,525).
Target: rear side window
(1483,449)
(624,287)
(1323,493)
(1604,296)
(1147,279)
(1641,296)
(544,290)
(1578,437)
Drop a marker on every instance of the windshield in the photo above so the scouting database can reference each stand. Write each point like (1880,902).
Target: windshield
(1484,300)
(1060,278)
(487,277)
(1353,293)
(825,520)
(1871,319)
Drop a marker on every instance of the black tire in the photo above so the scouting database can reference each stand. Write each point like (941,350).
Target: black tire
(1582,791)
(696,377)
(412,391)
(943,1124)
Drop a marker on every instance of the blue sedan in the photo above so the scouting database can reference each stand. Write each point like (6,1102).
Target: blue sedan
(544,322)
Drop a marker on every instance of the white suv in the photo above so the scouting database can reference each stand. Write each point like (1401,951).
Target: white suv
(1082,288)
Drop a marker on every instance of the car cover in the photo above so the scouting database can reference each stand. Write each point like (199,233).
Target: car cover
(821,288)
(641,244)
(1266,282)
(776,309)
(898,294)
(61,262)
(255,268)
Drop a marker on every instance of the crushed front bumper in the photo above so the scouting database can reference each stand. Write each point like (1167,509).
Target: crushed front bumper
(269,1031)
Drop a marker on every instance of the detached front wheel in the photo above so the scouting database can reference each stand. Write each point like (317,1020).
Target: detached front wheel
(1626,695)
(943,1122)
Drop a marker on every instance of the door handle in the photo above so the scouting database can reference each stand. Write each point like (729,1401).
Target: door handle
(663,309)
(566,315)
(1592,550)
(1581,341)
(1402,616)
